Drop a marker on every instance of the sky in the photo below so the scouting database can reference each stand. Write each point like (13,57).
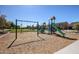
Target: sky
(41,13)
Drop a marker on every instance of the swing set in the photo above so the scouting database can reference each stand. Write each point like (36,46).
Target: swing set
(21,29)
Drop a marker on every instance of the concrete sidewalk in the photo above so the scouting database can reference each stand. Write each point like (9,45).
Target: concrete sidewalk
(71,49)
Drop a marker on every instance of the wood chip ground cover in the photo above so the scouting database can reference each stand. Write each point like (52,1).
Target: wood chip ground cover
(28,42)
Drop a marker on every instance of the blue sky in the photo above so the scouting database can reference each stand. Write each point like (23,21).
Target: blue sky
(41,13)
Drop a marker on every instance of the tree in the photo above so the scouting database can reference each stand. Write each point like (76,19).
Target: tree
(33,27)
(7,25)
(12,25)
(76,26)
(63,25)
(28,27)
(43,27)
(2,22)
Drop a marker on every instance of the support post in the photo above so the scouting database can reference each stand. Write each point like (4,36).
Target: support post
(16,30)
(37,29)
(15,36)
(51,27)
(21,28)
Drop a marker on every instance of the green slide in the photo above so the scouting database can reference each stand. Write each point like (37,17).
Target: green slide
(42,30)
(57,29)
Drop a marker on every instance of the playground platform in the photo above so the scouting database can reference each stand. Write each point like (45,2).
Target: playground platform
(70,49)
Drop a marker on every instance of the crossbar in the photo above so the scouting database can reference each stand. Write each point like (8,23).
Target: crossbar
(27,21)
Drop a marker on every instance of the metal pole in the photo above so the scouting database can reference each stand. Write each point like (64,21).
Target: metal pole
(37,29)
(21,28)
(16,30)
(15,36)
(51,27)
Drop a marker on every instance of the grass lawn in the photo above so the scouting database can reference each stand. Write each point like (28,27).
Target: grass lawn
(23,30)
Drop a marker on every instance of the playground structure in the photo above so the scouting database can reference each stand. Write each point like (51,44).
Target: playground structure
(52,28)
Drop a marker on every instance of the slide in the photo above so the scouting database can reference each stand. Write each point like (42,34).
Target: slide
(57,29)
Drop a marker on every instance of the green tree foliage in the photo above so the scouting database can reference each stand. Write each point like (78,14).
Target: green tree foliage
(76,26)
(63,25)
(33,27)
(4,24)
(44,25)
(12,25)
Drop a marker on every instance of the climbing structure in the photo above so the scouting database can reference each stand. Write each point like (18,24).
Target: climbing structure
(54,28)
